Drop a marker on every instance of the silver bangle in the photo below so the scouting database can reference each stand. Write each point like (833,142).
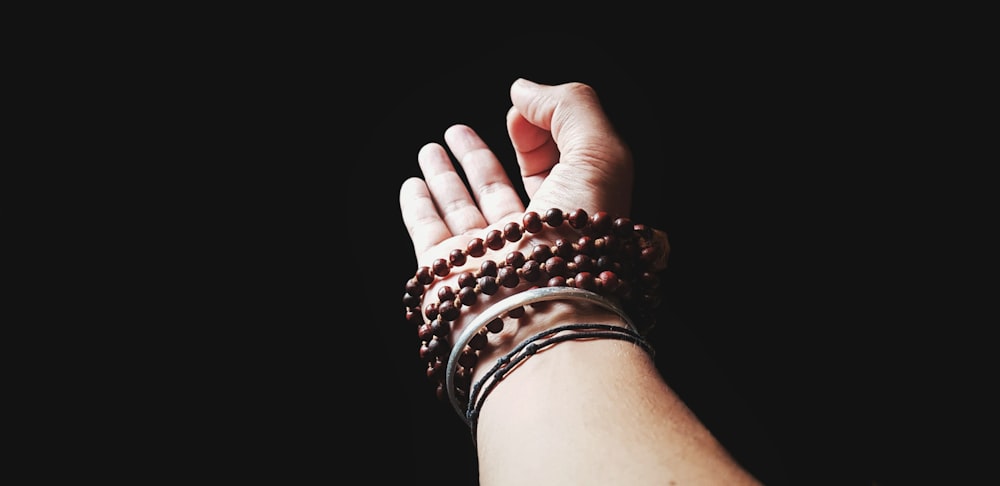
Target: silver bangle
(508,304)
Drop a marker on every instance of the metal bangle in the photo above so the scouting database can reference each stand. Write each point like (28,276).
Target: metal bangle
(508,304)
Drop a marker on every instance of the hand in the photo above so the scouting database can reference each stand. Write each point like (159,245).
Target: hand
(569,156)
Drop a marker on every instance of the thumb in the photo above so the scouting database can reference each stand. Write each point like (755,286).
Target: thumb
(587,144)
(572,107)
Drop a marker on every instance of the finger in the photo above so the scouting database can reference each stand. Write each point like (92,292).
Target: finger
(420,216)
(594,170)
(448,191)
(535,150)
(569,111)
(488,181)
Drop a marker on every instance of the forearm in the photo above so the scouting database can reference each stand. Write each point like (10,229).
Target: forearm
(594,412)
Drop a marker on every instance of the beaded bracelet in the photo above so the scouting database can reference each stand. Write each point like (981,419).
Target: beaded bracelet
(612,257)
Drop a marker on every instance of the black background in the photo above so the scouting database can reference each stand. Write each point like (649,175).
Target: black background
(768,167)
(780,166)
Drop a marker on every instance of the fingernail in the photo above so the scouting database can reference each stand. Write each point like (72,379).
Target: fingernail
(525,83)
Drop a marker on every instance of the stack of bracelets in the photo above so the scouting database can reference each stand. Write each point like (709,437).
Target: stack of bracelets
(613,263)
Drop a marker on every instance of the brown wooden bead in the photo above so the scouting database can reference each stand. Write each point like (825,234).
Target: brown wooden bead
(478,340)
(532,222)
(466,279)
(445,293)
(507,276)
(553,217)
(436,370)
(456,258)
(488,268)
(578,218)
(512,232)
(622,227)
(516,313)
(424,275)
(440,267)
(564,248)
(488,285)
(600,223)
(440,347)
(411,301)
(586,281)
(531,271)
(516,259)
(557,281)
(439,329)
(425,332)
(609,281)
(448,310)
(584,263)
(495,240)
(425,351)
(467,295)
(431,311)
(556,266)
(541,252)
(605,262)
(414,287)
(495,326)
(468,358)
(476,248)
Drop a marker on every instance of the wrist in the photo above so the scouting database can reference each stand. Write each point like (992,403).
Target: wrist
(539,317)
(533,319)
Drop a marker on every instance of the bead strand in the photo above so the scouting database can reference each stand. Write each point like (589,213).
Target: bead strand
(612,256)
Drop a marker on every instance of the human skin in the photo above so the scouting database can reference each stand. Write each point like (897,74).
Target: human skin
(580,412)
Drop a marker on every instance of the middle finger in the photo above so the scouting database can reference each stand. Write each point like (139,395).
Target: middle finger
(488,180)
(448,191)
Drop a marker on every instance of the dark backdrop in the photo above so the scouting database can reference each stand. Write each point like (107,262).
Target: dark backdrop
(767,166)
(781,168)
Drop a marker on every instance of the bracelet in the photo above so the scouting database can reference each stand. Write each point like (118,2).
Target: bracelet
(601,253)
(530,346)
(508,304)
